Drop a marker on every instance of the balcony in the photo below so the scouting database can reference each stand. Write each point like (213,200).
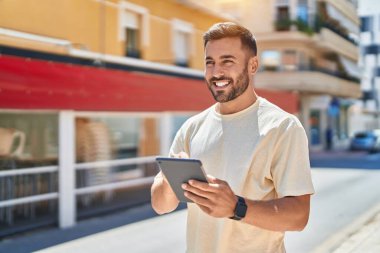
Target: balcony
(328,40)
(345,7)
(308,81)
(327,36)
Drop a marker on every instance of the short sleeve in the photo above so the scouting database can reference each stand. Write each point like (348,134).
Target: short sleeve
(291,165)
(179,143)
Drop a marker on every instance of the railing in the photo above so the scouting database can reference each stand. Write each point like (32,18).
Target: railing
(319,69)
(124,184)
(287,24)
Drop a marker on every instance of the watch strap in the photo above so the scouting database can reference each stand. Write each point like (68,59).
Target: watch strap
(240,209)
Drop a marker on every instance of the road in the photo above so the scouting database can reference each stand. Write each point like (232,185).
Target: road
(342,195)
(345,159)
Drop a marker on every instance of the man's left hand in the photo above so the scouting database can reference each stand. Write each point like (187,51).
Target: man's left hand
(215,198)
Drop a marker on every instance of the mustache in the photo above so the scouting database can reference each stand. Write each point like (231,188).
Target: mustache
(215,79)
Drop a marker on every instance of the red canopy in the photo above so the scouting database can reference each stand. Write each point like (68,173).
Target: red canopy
(37,84)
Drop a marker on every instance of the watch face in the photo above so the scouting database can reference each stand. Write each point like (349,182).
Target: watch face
(241,210)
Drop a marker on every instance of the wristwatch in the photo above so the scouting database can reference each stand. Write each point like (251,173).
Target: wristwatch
(240,209)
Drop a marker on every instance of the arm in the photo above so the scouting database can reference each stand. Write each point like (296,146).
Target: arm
(218,200)
(284,214)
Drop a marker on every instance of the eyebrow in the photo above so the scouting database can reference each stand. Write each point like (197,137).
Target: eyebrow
(227,56)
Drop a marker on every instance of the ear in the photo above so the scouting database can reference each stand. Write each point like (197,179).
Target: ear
(253,65)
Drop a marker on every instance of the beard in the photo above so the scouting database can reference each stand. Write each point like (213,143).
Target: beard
(234,90)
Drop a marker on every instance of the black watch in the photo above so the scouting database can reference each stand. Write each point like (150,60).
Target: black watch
(240,209)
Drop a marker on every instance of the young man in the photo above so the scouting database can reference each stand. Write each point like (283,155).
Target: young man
(256,154)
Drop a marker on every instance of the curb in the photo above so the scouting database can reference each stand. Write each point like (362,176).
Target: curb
(340,236)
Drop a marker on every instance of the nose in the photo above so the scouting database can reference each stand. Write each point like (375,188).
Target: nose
(217,72)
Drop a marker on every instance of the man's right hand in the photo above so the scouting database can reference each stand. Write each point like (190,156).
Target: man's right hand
(163,197)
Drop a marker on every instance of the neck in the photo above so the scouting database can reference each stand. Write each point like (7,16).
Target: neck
(242,102)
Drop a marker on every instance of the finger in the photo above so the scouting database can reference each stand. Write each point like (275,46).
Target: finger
(183,155)
(179,155)
(199,200)
(196,191)
(209,187)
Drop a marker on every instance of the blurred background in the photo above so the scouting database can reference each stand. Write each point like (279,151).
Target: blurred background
(92,90)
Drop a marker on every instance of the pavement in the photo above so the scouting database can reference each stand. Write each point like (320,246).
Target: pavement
(156,234)
(361,236)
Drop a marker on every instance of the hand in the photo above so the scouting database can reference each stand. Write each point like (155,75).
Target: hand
(180,155)
(215,198)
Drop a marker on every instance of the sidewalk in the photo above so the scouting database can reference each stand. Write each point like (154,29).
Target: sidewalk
(167,234)
(156,235)
(362,235)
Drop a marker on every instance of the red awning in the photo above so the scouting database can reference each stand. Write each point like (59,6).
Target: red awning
(36,84)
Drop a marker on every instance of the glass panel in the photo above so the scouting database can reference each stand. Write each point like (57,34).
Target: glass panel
(283,13)
(182,47)
(289,60)
(132,43)
(29,139)
(315,130)
(302,11)
(270,60)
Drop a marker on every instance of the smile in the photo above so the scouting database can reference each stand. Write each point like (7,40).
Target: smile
(221,84)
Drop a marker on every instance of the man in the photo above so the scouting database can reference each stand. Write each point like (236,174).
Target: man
(255,153)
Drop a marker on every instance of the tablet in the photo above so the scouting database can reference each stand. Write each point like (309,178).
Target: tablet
(180,170)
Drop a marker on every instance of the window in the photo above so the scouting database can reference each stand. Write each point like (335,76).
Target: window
(270,60)
(132,48)
(302,11)
(372,49)
(182,42)
(289,60)
(366,24)
(283,13)
(133,28)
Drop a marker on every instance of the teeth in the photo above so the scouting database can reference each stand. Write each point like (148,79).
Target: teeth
(221,83)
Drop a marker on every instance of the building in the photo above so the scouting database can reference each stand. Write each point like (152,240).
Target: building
(90,92)
(309,47)
(369,12)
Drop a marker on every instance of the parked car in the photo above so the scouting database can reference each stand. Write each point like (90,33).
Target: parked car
(366,141)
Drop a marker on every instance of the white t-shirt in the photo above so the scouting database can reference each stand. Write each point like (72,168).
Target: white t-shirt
(262,152)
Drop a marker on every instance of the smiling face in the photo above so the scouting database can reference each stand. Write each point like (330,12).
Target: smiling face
(227,69)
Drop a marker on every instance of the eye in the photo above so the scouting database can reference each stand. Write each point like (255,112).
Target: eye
(209,63)
(227,62)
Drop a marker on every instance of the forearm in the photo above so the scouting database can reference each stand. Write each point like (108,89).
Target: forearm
(162,196)
(284,214)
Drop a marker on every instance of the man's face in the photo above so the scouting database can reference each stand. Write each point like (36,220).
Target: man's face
(226,70)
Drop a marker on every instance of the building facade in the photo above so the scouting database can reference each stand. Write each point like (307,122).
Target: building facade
(309,47)
(369,12)
(90,92)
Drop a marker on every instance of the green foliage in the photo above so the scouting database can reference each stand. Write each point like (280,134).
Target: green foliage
(285,25)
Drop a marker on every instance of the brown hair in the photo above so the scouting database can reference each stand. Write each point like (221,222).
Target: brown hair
(228,30)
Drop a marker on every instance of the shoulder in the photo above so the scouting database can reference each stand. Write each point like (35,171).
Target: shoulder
(273,117)
(197,120)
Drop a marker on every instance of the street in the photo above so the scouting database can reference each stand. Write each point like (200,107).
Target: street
(342,195)
(345,159)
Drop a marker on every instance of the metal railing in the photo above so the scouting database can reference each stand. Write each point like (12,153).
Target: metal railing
(132,182)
